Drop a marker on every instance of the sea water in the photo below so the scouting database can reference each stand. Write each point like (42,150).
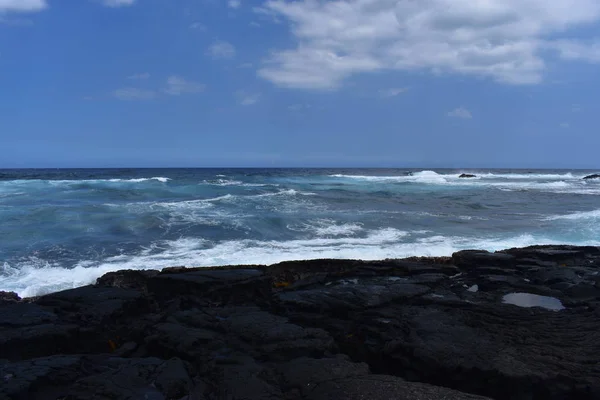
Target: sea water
(64,228)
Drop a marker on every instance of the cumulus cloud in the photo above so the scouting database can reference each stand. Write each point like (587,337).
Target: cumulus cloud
(22,5)
(118,3)
(176,86)
(134,94)
(392,92)
(234,3)
(504,40)
(221,50)
(460,112)
(247,99)
(574,50)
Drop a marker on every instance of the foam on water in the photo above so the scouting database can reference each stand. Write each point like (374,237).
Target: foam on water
(141,219)
(531,176)
(584,215)
(55,182)
(327,227)
(431,177)
(553,183)
(35,276)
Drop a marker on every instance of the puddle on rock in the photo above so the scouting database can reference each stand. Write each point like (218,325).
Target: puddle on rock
(533,300)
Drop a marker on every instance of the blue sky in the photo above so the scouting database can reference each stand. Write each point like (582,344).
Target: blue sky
(456,83)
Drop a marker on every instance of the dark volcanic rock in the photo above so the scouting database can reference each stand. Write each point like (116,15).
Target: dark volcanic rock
(467,176)
(9,297)
(593,176)
(517,324)
(384,387)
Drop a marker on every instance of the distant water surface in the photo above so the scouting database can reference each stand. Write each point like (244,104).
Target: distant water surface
(64,228)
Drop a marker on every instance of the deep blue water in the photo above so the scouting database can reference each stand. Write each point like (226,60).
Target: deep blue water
(64,228)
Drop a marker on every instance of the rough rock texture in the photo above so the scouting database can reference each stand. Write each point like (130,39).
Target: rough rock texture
(419,328)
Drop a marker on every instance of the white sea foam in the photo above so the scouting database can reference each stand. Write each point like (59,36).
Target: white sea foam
(583,215)
(418,177)
(327,227)
(36,276)
(553,183)
(57,182)
(229,182)
(566,176)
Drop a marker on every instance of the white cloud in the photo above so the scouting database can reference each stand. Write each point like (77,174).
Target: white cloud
(118,3)
(234,3)
(460,112)
(134,94)
(140,76)
(22,5)
(505,40)
(198,26)
(565,125)
(221,50)
(247,99)
(176,86)
(576,50)
(392,92)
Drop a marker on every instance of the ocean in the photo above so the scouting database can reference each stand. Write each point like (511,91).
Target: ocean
(63,228)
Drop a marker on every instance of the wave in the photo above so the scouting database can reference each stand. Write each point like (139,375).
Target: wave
(583,215)
(327,227)
(84,181)
(418,177)
(229,182)
(434,177)
(553,183)
(35,277)
(567,176)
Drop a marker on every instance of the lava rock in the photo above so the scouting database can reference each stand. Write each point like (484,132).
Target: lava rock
(418,328)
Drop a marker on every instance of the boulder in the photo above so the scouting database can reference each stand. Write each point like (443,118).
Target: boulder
(467,176)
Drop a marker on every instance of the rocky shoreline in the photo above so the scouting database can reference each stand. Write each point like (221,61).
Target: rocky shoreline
(517,324)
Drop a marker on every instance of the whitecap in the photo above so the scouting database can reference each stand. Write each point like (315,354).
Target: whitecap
(583,215)
(327,227)
(34,278)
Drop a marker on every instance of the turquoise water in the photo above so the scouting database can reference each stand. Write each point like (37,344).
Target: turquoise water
(64,228)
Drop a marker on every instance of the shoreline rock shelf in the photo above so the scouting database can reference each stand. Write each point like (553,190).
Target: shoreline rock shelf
(417,328)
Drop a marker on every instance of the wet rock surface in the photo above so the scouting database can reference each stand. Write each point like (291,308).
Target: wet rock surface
(517,324)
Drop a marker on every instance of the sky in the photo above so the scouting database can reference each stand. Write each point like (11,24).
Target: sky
(305,83)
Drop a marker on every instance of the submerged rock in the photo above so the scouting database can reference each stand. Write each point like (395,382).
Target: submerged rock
(593,176)
(516,324)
